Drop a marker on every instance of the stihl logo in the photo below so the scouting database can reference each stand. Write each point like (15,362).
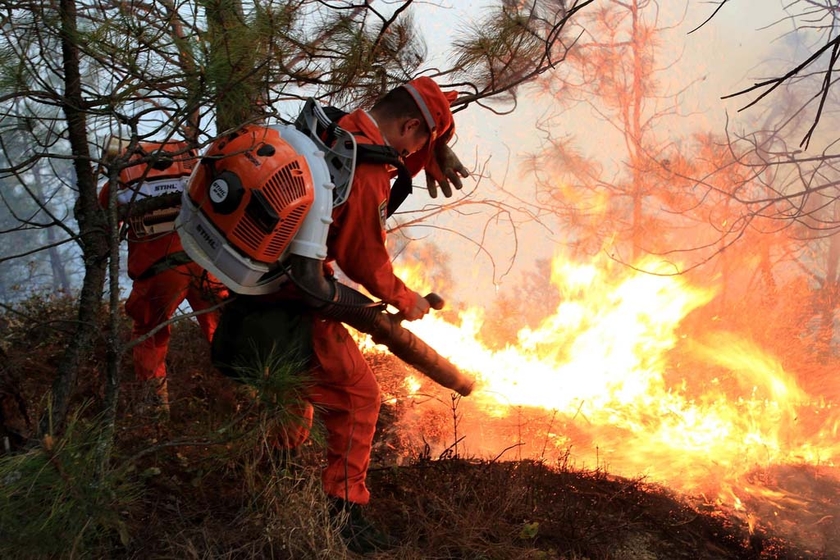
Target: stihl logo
(252,159)
(166,187)
(205,236)
(218,191)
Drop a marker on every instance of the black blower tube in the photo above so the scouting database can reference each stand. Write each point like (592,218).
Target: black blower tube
(353,308)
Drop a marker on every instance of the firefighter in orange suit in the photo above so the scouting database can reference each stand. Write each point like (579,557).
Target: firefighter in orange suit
(415,119)
(163,275)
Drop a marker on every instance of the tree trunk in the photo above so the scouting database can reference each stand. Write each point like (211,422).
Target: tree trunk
(92,227)
(828,297)
(114,343)
(636,157)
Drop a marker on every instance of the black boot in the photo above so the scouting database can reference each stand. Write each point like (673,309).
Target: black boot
(358,534)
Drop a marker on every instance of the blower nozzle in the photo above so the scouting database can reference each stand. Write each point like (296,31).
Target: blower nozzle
(357,310)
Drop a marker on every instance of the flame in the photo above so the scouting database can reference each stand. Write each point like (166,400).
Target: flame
(605,376)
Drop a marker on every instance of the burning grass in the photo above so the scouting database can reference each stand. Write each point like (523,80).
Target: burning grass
(210,485)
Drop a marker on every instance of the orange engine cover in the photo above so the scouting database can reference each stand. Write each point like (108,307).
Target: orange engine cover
(151,182)
(256,189)
(170,159)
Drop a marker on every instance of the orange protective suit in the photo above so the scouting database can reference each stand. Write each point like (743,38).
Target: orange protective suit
(162,279)
(346,386)
(345,390)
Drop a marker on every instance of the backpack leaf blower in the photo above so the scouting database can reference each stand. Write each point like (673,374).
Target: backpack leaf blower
(256,213)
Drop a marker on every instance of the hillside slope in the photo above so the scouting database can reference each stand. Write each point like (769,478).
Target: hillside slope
(209,484)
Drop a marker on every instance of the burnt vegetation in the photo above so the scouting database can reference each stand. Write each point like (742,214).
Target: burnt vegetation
(209,484)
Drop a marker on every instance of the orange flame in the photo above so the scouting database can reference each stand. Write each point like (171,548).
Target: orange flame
(600,375)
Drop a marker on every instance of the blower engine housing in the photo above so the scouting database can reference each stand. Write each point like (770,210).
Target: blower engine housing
(151,183)
(258,195)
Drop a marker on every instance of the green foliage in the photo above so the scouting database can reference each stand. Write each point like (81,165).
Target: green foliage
(277,377)
(503,48)
(279,380)
(364,61)
(530,531)
(235,70)
(9,69)
(55,500)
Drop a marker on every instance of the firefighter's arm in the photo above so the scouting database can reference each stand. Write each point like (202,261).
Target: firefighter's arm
(442,167)
(104,192)
(358,243)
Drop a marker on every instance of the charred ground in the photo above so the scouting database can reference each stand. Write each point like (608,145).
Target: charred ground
(209,484)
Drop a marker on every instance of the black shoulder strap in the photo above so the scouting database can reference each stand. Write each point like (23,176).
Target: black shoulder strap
(401,189)
(334,114)
(372,153)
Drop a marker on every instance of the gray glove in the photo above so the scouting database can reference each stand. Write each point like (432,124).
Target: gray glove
(452,170)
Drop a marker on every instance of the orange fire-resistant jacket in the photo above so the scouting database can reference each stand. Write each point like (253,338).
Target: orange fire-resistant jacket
(356,239)
(346,387)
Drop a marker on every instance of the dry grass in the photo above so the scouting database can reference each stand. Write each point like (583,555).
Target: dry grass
(210,484)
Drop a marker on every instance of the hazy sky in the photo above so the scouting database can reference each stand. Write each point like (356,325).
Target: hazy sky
(719,59)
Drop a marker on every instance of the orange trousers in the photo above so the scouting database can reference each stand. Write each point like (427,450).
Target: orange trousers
(343,388)
(346,394)
(154,300)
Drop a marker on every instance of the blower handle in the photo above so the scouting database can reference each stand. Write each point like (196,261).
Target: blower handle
(435,301)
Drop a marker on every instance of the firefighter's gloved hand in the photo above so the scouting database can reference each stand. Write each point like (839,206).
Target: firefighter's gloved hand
(448,169)
(418,309)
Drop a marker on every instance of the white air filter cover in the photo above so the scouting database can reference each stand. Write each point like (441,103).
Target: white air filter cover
(311,238)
